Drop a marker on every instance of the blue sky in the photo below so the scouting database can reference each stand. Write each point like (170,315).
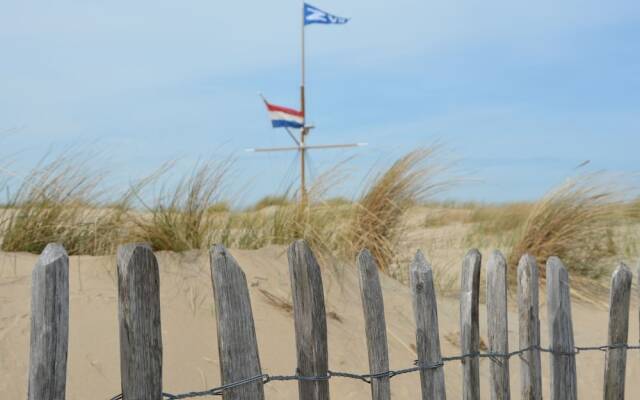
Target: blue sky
(519,92)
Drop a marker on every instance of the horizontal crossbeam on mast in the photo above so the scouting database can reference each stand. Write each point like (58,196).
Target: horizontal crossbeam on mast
(263,150)
(307,147)
(335,146)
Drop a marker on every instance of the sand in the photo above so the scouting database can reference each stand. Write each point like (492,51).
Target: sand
(189,331)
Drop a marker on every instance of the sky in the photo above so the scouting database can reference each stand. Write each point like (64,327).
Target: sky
(518,93)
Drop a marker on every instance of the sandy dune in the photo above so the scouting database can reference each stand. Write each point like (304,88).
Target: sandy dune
(189,332)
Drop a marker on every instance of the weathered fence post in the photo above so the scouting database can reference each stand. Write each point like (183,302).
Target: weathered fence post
(49,325)
(497,326)
(310,321)
(139,314)
(427,334)
(616,358)
(563,359)
(375,326)
(529,329)
(469,324)
(237,344)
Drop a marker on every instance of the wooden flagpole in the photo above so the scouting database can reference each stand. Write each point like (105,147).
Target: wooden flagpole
(303,130)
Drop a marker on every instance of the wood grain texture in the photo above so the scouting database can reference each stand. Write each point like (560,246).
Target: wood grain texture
(49,325)
(140,330)
(616,359)
(529,328)
(310,321)
(563,362)
(469,324)
(237,344)
(375,325)
(425,310)
(497,326)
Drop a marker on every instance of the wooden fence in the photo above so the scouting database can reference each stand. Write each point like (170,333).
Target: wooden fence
(241,373)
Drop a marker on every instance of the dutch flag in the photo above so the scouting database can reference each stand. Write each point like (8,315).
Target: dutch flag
(283,117)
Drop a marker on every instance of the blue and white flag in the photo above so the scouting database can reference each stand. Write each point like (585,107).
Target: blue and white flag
(313,15)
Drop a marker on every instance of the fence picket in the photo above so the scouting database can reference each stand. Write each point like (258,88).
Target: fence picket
(497,326)
(563,360)
(140,330)
(529,328)
(310,321)
(237,344)
(469,324)
(49,325)
(616,359)
(427,333)
(375,325)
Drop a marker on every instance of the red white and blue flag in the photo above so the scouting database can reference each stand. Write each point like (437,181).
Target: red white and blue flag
(283,117)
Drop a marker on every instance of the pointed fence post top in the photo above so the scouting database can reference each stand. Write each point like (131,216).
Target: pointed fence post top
(496,261)
(527,270)
(364,253)
(51,254)
(558,288)
(420,273)
(300,253)
(471,270)
(367,265)
(473,253)
(365,260)
(621,275)
(300,246)
(218,250)
(220,256)
(127,251)
(556,267)
(420,264)
(527,261)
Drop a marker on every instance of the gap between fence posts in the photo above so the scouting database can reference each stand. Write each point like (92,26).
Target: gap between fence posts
(310,321)
(469,324)
(237,344)
(140,330)
(498,326)
(563,360)
(49,325)
(375,325)
(425,310)
(529,329)
(616,359)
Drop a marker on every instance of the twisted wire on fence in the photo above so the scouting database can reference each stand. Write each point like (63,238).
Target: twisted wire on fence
(266,378)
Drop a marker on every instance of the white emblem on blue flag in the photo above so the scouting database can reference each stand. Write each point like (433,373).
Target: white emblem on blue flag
(314,15)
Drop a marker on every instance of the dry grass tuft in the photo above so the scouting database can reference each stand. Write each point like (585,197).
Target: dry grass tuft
(574,223)
(220,207)
(181,218)
(376,223)
(272,201)
(318,221)
(60,201)
(493,219)
(497,225)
